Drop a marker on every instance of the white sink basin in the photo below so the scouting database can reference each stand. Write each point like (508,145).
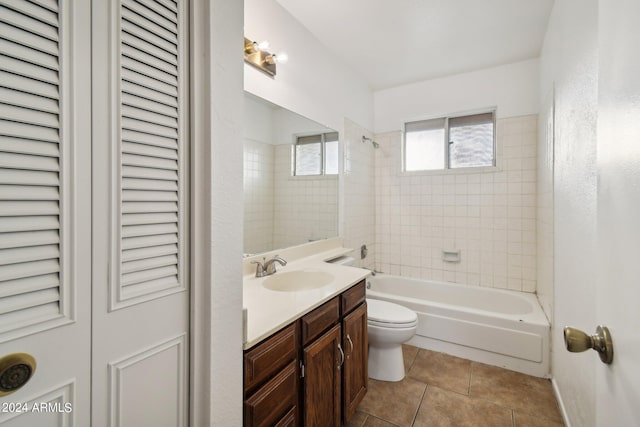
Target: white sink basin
(299,280)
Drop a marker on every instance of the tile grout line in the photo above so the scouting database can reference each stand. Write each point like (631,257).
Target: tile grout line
(413,360)
(513,410)
(472,368)
(379,418)
(415,416)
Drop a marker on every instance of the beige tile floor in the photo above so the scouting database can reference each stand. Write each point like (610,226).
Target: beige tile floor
(441,390)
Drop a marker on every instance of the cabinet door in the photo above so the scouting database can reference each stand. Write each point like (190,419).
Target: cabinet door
(322,360)
(355,344)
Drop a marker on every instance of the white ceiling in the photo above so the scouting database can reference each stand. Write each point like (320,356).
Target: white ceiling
(394,42)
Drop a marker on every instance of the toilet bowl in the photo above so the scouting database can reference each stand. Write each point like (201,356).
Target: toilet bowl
(389,326)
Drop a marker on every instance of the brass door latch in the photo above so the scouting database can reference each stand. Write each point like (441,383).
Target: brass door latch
(577,341)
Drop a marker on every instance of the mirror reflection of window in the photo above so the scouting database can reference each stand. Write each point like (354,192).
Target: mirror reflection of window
(308,155)
(331,154)
(316,154)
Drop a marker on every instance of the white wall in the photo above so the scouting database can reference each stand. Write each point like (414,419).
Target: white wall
(314,82)
(216,302)
(544,217)
(359,193)
(569,61)
(512,88)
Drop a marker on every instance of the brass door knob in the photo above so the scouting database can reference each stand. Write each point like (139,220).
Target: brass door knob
(577,341)
(15,370)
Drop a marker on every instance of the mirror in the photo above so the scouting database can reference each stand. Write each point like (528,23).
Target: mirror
(290,178)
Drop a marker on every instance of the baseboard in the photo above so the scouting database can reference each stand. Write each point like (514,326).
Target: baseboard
(563,410)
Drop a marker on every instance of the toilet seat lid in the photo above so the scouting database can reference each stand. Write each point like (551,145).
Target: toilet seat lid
(387,312)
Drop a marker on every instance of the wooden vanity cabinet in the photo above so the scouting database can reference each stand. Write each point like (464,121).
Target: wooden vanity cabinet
(322,380)
(271,380)
(320,320)
(355,376)
(314,371)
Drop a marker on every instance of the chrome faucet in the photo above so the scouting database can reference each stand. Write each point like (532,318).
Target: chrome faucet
(270,266)
(267,268)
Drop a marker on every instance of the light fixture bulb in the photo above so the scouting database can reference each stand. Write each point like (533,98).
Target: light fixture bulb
(282,57)
(263,45)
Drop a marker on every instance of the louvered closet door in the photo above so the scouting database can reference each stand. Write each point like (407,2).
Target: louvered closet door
(141,283)
(45,210)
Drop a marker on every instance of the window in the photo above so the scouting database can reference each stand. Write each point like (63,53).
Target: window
(316,154)
(450,143)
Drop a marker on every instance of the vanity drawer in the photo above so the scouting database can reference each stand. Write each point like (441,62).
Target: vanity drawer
(275,403)
(353,297)
(320,320)
(270,356)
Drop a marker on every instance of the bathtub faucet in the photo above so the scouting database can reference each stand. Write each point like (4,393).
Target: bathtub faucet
(373,272)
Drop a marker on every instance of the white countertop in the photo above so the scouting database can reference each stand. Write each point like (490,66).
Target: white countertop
(268,311)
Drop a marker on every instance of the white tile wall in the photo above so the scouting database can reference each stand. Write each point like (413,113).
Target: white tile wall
(305,208)
(489,216)
(359,193)
(258,196)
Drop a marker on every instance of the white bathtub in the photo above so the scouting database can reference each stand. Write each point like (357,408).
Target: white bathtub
(492,326)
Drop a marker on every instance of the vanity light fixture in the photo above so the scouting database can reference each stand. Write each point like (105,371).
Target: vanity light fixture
(255,54)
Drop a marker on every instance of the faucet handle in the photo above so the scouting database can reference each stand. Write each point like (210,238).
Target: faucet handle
(259,267)
(270,266)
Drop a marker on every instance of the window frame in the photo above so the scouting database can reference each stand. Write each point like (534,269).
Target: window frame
(447,164)
(323,153)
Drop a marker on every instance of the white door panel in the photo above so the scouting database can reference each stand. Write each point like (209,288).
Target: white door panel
(618,384)
(111,345)
(52,408)
(45,206)
(140,299)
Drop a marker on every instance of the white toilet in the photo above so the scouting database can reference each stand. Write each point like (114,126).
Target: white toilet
(389,326)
